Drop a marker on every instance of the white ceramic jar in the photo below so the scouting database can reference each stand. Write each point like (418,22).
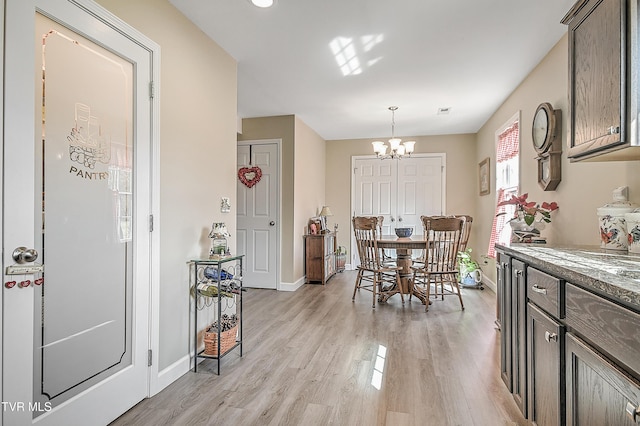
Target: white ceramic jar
(632,222)
(611,216)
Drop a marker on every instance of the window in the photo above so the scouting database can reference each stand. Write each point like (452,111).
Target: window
(507,180)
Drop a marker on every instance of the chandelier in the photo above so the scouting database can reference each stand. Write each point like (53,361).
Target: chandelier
(398,148)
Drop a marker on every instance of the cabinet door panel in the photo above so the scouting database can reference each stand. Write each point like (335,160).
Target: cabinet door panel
(597,392)
(504,300)
(546,376)
(597,81)
(518,332)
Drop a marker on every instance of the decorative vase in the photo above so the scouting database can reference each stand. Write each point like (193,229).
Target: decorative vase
(611,217)
(523,233)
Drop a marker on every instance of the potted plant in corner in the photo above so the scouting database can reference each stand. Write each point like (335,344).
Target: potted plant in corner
(341,258)
(470,274)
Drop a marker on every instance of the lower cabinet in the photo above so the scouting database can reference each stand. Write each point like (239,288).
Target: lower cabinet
(569,355)
(598,393)
(546,376)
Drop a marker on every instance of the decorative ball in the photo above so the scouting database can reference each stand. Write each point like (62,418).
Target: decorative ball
(404,232)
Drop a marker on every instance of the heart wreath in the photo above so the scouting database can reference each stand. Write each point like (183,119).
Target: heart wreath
(249,176)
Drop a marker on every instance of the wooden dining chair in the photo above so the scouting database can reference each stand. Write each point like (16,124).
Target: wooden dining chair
(466,231)
(386,259)
(440,267)
(373,274)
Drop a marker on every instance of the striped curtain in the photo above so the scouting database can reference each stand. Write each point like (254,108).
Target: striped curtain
(508,148)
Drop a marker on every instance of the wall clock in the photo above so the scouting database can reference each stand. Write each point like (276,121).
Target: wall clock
(545,133)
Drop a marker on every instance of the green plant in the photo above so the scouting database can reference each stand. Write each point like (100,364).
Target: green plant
(466,262)
(341,251)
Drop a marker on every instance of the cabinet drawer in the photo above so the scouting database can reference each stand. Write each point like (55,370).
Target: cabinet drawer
(546,292)
(610,327)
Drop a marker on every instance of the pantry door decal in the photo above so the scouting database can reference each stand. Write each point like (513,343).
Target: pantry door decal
(87,188)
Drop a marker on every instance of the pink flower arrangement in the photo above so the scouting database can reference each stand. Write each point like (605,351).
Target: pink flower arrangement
(527,210)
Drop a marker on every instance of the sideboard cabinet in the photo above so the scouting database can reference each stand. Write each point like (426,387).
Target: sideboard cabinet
(320,257)
(582,334)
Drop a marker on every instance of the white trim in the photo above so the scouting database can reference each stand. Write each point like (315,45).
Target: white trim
(278,143)
(489,283)
(292,286)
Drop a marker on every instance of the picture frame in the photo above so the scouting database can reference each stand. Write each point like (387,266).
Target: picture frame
(315,226)
(484,176)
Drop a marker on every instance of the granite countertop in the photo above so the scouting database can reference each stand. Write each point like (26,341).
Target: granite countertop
(614,274)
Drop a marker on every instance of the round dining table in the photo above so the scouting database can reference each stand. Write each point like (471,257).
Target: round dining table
(403,247)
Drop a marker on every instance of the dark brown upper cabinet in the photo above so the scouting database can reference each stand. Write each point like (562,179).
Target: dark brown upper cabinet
(603,81)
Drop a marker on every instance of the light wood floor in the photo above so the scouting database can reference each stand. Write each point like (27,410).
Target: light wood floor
(310,357)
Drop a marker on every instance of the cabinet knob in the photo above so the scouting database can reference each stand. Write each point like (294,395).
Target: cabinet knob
(550,337)
(272,223)
(632,411)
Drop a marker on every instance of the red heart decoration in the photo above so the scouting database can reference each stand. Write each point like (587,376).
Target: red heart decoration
(249,176)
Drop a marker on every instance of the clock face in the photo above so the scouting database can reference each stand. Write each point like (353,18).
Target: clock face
(540,127)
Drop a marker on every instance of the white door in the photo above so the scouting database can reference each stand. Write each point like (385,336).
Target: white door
(257,217)
(77,120)
(420,190)
(400,190)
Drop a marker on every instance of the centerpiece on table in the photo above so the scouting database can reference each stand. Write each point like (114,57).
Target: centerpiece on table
(529,218)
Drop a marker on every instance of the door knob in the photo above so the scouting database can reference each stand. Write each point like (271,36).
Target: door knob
(24,255)
(272,223)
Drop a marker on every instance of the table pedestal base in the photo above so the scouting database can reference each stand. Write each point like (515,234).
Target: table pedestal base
(404,260)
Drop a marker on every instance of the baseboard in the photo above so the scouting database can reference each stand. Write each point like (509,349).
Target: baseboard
(487,282)
(172,373)
(292,286)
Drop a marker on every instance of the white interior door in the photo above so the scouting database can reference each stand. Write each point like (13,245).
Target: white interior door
(420,190)
(257,214)
(400,190)
(77,143)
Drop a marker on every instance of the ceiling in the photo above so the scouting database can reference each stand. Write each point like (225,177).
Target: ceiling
(419,55)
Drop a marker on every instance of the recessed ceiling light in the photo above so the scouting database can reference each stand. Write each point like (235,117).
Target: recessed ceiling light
(262,3)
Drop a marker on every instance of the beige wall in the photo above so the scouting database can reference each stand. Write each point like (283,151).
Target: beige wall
(196,133)
(303,181)
(461,177)
(280,127)
(584,186)
(309,189)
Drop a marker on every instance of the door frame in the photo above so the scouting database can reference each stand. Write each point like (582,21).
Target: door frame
(354,158)
(278,143)
(99,12)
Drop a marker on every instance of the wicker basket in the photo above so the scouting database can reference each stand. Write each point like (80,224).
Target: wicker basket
(227,341)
